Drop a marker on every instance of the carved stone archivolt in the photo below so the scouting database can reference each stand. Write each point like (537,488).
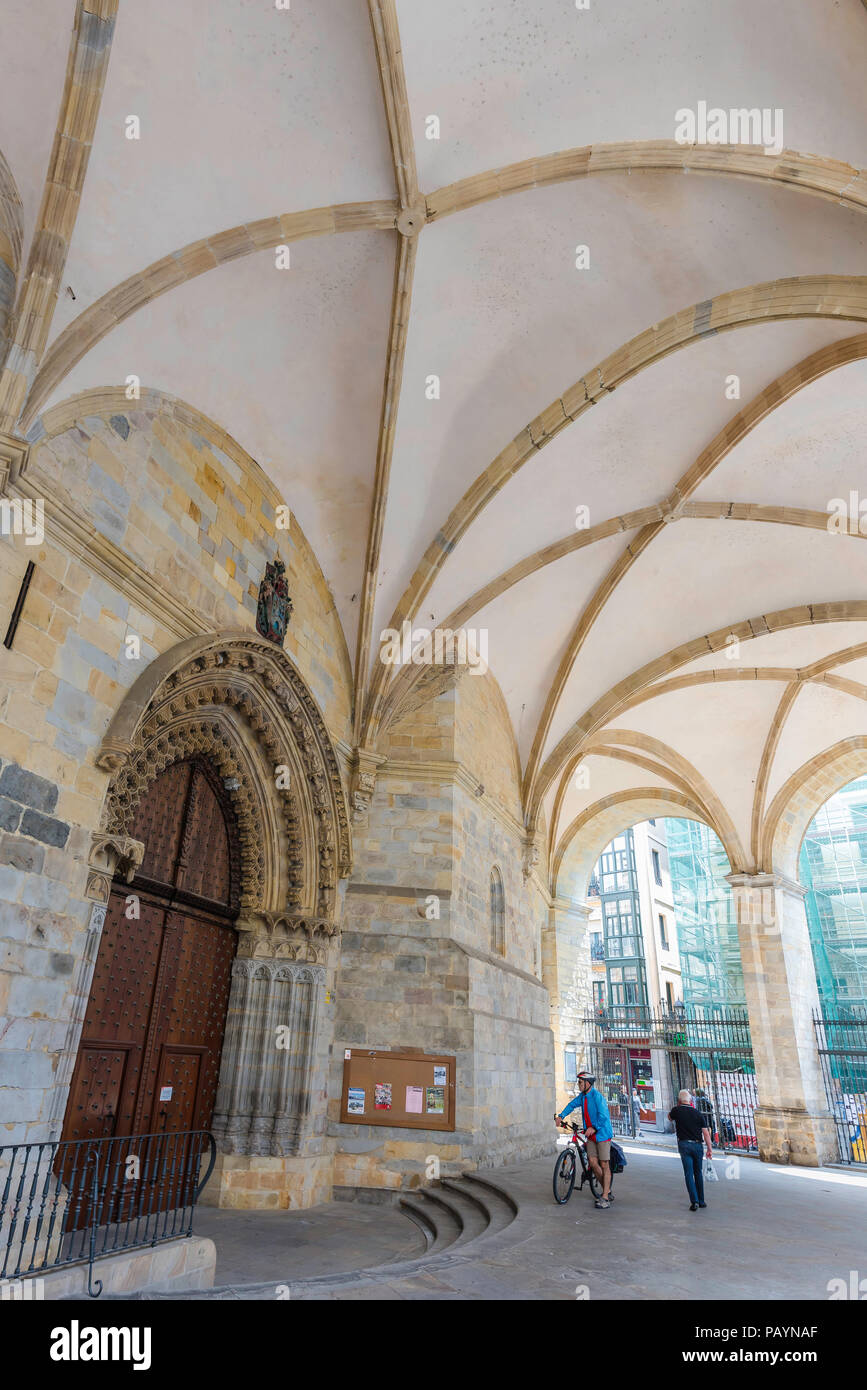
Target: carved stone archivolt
(240,703)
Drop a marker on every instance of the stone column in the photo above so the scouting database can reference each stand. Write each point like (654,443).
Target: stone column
(793,1123)
(566,976)
(268,1051)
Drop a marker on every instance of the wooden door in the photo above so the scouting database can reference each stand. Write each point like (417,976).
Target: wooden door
(149,1056)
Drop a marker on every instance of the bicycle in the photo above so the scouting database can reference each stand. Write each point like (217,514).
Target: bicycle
(565,1169)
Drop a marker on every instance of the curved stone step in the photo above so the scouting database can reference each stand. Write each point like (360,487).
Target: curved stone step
(469,1212)
(502,1206)
(499,1208)
(420,1216)
(446,1215)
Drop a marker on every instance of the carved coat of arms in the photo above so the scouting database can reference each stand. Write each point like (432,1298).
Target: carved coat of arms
(274,607)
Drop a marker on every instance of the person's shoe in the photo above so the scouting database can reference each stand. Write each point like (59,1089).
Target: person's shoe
(603,1203)
(693,1206)
(702,1205)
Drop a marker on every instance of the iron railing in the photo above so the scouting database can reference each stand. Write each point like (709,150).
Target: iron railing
(707,1051)
(75,1201)
(841,1039)
(704,1030)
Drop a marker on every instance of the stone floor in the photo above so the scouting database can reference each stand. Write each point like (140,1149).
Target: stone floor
(767,1233)
(253,1247)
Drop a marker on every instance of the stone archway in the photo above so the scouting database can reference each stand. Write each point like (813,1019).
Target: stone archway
(239,702)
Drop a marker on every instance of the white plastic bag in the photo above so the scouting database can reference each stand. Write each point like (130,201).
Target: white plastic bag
(710,1173)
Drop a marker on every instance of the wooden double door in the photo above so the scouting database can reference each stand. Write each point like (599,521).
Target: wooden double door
(149,1057)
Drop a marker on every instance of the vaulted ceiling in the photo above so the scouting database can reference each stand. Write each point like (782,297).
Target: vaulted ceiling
(701,632)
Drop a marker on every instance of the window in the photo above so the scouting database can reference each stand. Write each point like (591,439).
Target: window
(657,870)
(597,950)
(498,913)
(571,1062)
(669,994)
(599,994)
(663,935)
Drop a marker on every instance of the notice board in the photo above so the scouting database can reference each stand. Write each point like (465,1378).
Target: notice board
(405,1088)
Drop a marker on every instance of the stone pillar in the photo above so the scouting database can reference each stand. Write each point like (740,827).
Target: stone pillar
(566,976)
(793,1123)
(268,1053)
(269,1117)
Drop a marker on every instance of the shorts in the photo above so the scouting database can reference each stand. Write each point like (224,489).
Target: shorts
(599,1149)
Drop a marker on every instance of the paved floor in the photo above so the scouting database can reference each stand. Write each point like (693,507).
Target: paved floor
(767,1233)
(253,1247)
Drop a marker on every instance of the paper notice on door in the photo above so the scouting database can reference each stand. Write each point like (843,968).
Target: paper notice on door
(440,1076)
(355,1101)
(165,1092)
(414,1100)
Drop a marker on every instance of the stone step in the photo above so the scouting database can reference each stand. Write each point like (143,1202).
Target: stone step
(419,1214)
(500,1206)
(445,1215)
(470,1214)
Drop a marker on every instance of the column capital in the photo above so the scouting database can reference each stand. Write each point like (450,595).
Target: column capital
(763,881)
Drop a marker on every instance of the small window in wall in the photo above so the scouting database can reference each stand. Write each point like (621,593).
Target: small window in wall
(498,913)
(571,1062)
(657,869)
(669,994)
(663,935)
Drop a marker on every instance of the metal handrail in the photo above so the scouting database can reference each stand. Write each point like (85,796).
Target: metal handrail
(77,1201)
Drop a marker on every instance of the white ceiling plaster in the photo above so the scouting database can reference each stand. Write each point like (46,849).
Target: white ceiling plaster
(511,80)
(807,452)
(246,112)
(606,776)
(505,320)
(820,718)
(290,363)
(528,629)
(854,670)
(700,576)
(628,451)
(721,730)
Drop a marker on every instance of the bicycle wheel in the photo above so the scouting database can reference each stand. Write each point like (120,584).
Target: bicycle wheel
(564,1176)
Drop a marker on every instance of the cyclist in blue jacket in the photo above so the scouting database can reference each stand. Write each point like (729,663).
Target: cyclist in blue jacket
(598,1132)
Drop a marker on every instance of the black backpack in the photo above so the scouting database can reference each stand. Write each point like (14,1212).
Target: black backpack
(618,1158)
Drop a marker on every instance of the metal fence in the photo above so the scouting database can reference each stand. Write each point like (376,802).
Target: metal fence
(841,1039)
(74,1201)
(705,1051)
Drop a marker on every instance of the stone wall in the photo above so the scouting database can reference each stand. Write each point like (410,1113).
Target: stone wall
(417,967)
(155,531)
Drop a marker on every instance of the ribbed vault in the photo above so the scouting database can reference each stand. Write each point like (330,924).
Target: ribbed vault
(366,270)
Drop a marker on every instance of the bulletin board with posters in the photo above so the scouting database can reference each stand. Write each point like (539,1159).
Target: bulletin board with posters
(405,1089)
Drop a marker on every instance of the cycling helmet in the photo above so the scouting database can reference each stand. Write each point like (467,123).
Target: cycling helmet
(585,1076)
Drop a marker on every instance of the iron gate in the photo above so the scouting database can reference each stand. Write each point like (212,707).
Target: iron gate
(709,1053)
(841,1039)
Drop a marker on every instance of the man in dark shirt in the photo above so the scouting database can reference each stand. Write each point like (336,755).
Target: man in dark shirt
(692,1131)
